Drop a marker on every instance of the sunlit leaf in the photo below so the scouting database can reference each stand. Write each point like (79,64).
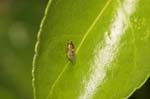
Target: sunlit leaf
(112,49)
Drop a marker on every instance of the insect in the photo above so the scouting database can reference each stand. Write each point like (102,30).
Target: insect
(70,51)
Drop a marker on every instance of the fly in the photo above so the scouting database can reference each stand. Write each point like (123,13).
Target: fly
(70,51)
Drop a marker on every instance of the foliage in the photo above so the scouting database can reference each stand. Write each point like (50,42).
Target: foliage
(19,22)
(111,38)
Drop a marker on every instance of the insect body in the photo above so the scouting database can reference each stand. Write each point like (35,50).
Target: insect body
(70,51)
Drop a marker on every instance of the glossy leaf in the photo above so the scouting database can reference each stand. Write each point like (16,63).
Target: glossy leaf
(112,49)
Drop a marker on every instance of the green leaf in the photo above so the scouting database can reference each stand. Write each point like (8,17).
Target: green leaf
(112,49)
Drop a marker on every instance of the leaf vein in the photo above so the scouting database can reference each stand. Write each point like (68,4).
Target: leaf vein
(81,43)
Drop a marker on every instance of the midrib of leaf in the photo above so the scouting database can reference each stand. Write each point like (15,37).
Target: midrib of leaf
(78,48)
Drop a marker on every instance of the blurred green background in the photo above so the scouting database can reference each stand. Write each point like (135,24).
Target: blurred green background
(19,24)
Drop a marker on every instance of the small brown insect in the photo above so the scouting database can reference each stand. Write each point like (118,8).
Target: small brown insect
(70,51)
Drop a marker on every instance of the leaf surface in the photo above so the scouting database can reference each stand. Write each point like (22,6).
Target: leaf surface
(112,49)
